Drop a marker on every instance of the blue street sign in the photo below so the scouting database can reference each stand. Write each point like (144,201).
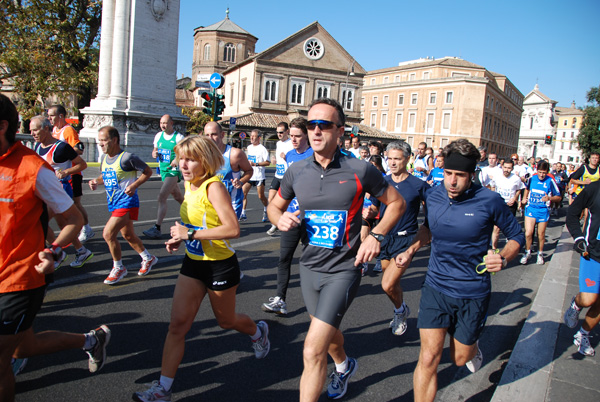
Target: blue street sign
(232,121)
(216,80)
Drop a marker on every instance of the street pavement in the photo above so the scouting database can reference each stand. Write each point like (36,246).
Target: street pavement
(219,365)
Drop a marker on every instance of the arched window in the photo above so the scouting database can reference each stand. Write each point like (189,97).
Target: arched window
(229,53)
(207,51)
(297,91)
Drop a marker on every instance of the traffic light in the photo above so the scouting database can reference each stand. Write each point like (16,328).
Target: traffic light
(219,106)
(548,139)
(208,103)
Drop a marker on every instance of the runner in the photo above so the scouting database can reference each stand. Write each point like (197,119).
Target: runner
(284,145)
(289,239)
(587,243)
(236,170)
(210,266)
(65,162)
(164,143)
(119,176)
(29,185)
(330,188)
(414,191)
(436,177)
(456,293)
(510,187)
(66,133)
(258,156)
(539,192)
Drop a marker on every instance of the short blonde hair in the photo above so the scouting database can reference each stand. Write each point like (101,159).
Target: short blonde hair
(201,149)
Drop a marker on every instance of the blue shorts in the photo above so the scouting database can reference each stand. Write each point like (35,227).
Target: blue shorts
(464,318)
(539,214)
(392,245)
(589,276)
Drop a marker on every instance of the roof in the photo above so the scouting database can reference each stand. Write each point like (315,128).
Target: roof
(536,91)
(225,25)
(444,61)
(270,121)
(568,111)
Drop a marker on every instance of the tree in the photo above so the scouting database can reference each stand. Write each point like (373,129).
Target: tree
(589,133)
(197,120)
(49,47)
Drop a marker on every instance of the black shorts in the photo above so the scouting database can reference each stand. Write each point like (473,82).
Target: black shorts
(328,296)
(76,180)
(275,184)
(392,245)
(513,208)
(18,309)
(464,318)
(215,275)
(256,183)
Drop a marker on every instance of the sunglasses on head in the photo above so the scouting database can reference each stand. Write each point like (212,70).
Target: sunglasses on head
(323,124)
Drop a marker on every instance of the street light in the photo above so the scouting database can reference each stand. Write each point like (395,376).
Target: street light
(349,72)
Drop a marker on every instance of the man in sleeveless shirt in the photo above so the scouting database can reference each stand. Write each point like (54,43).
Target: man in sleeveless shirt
(236,171)
(164,143)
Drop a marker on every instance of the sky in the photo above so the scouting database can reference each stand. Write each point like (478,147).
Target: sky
(551,43)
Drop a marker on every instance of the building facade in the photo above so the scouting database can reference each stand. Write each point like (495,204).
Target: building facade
(537,121)
(440,100)
(569,121)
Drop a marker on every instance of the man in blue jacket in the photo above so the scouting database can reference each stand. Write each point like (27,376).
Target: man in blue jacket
(455,296)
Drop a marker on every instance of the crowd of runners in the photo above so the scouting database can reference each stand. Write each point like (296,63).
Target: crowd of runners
(348,203)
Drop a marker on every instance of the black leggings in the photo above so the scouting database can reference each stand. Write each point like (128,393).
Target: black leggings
(288,243)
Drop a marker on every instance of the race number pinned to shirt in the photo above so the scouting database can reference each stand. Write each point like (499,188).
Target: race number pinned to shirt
(280,170)
(325,228)
(110,179)
(252,158)
(164,155)
(194,246)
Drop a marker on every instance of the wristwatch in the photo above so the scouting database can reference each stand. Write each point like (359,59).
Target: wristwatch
(191,234)
(377,236)
(504,262)
(55,250)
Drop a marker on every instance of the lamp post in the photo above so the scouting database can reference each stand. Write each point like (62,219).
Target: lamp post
(349,72)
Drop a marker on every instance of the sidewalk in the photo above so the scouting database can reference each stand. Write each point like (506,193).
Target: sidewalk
(545,365)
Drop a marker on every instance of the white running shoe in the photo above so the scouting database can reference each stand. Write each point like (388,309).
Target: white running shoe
(262,345)
(116,274)
(275,305)
(475,363)
(583,344)
(540,259)
(525,258)
(81,259)
(155,392)
(86,234)
(62,259)
(272,231)
(398,325)
(147,266)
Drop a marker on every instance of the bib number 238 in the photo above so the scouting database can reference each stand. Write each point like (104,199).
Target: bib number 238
(325,228)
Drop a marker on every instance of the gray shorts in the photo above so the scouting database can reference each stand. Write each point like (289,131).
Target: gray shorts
(328,296)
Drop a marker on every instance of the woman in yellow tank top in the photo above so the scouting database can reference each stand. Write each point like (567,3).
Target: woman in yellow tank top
(210,265)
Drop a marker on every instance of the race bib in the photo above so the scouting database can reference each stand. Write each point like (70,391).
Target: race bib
(252,158)
(325,228)
(280,169)
(194,246)
(110,179)
(164,155)
(535,198)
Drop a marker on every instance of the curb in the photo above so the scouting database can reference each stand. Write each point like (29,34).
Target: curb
(528,373)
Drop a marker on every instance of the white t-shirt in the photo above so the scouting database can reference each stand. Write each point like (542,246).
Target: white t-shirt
(257,154)
(283,147)
(522,170)
(50,190)
(355,152)
(488,174)
(507,186)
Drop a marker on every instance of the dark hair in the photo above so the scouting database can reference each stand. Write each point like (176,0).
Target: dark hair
(59,109)
(8,112)
(333,103)
(463,147)
(299,122)
(377,160)
(508,161)
(112,133)
(284,125)
(543,165)
(376,144)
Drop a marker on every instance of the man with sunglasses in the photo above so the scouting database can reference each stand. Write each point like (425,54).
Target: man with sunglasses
(455,296)
(330,188)
(284,145)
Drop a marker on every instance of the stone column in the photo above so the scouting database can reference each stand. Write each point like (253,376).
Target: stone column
(106,41)
(120,52)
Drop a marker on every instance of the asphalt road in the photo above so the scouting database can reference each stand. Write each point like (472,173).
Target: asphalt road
(219,365)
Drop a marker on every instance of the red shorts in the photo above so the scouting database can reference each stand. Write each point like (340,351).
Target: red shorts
(133,212)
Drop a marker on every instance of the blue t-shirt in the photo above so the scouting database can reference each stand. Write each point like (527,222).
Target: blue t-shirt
(437,175)
(538,189)
(414,191)
(461,230)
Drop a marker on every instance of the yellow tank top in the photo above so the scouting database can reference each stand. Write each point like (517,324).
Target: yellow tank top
(197,212)
(587,175)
